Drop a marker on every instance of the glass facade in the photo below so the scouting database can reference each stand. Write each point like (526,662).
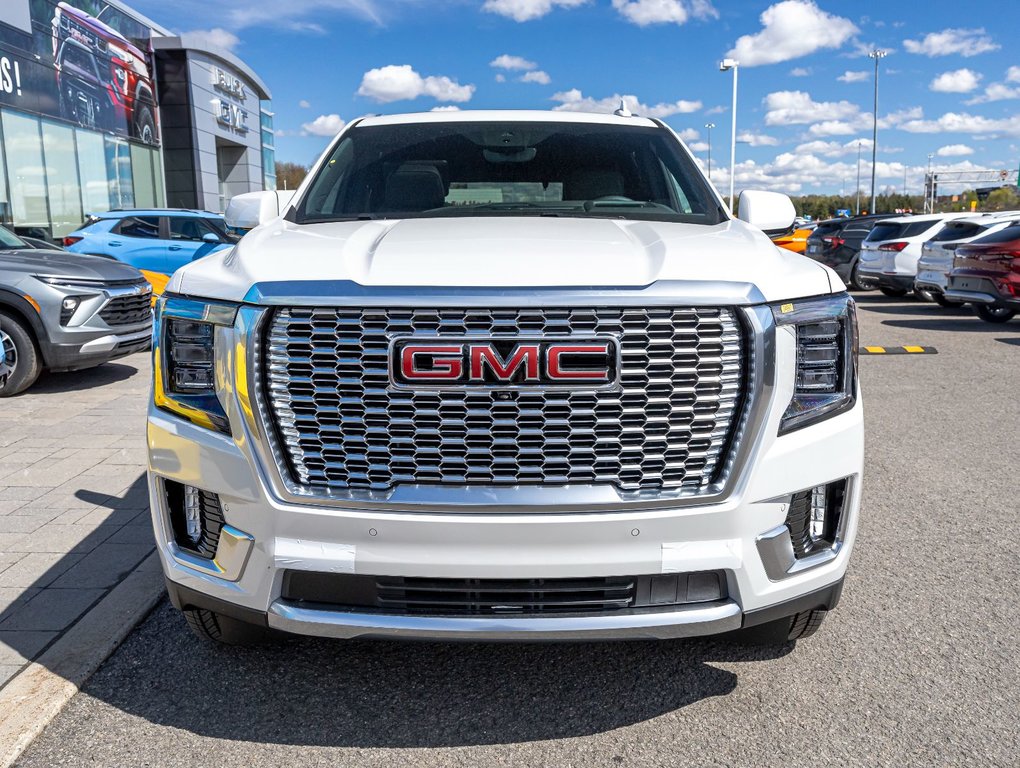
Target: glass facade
(268,149)
(52,175)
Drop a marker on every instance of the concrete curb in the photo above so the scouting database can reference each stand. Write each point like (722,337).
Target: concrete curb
(37,694)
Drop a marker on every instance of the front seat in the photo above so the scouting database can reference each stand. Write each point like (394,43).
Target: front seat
(414,188)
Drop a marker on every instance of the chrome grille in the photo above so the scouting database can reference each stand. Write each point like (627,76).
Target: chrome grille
(666,428)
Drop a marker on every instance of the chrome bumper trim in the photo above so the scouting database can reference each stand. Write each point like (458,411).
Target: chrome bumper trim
(971,296)
(110,342)
(710,619)
(231,555)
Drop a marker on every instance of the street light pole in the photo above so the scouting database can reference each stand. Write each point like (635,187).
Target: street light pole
(929,188)
(724,66)
(858,177)
(877,55)
(710,126)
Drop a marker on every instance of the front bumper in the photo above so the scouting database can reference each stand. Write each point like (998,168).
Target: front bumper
(442,537)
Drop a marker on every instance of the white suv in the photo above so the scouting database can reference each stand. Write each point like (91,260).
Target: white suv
(937,253)
(890,253)
(505,375)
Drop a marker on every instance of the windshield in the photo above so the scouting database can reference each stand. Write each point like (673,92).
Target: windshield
(9,240)
(508,168)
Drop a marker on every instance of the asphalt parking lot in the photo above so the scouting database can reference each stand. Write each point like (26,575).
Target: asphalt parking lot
(917,667)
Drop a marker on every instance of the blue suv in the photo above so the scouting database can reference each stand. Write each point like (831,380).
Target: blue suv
(156,241)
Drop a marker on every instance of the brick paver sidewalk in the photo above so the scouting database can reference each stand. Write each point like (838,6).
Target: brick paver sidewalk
(74,514)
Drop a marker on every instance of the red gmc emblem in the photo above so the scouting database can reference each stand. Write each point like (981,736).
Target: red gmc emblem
(517,362)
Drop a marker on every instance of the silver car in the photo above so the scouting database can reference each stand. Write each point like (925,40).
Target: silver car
(63,311)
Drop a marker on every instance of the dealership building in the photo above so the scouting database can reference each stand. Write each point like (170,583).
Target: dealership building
(102,108)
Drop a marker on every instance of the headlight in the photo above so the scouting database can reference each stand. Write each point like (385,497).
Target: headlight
(826,366)
(184,359)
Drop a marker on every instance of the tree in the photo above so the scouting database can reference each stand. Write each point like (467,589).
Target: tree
(289,175)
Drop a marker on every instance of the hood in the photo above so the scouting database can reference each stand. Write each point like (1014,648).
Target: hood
(66,264)
(498,252)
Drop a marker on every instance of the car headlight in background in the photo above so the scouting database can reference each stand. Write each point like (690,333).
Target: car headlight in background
(184,359)
(826,365)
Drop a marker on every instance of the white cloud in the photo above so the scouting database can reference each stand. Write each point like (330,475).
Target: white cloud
(954,150)
(699,146)
(536,76)
(506,61)
(995,92)
(717,110)
(834,148)
(965,42)
(446,108)
(798,108)
(956,81)
(647,12)
(324,125)
(526,10)
(1013,75)
(800,72)
(399,82)
(216,38)
(689,134)
(953,122)
(500,77)
(791,29)
(854,77)
(574,101)
(863,121)
(757,139)
(304,104)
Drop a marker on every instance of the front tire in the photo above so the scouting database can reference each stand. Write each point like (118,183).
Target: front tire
(145,125)
(223,630)
(893,293)
(800,626)
(20,364)
(994,314)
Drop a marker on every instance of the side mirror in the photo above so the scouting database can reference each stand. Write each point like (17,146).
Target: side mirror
(770,212)
(211,237)
(248,210)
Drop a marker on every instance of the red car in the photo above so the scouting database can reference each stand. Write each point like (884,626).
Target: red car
(986,273)
(103,79)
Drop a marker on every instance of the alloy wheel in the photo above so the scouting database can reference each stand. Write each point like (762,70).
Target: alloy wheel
(8,358)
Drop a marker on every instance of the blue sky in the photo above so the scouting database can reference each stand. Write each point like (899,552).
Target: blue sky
(950,84)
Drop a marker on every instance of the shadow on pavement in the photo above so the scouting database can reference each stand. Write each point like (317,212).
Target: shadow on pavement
(387,694)
(949,324)
(1015,341)
(90,378)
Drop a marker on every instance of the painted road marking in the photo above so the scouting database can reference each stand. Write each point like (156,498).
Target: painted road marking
(909,350)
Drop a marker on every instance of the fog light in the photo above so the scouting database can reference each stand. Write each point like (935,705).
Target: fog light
(814,517)
(196,518)
(193,513)
(67,308)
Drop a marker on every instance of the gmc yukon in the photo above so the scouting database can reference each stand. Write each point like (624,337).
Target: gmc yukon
(502,376)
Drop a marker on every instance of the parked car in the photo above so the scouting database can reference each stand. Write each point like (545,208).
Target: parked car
(836,243)
(157,241)
(891,250)
(31,242)
(986,273)
(63,312)
(505,376)
(796,240)
(937,253)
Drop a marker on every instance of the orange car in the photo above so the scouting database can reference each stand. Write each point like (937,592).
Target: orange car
(795,241)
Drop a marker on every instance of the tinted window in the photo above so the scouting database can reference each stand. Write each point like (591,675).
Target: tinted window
(824,230)
(1002,236)
(508,168)
(885,231)
(139,226)
(189,228)
(956,232)
(918,228)
(9,240)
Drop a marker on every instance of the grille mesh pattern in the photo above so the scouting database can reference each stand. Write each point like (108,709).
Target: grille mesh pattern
(128,310)
(343,427)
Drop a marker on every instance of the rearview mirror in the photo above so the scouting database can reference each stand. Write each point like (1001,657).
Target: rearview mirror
(770,212)
(211,237)
(248,210)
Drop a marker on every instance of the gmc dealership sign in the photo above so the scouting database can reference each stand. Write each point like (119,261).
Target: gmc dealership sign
(515,362)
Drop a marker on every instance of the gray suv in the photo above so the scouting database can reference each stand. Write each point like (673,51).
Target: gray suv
(64,311)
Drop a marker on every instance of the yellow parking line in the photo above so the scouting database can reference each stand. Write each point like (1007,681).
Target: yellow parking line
(875,350)
(914,349)
(907,350)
